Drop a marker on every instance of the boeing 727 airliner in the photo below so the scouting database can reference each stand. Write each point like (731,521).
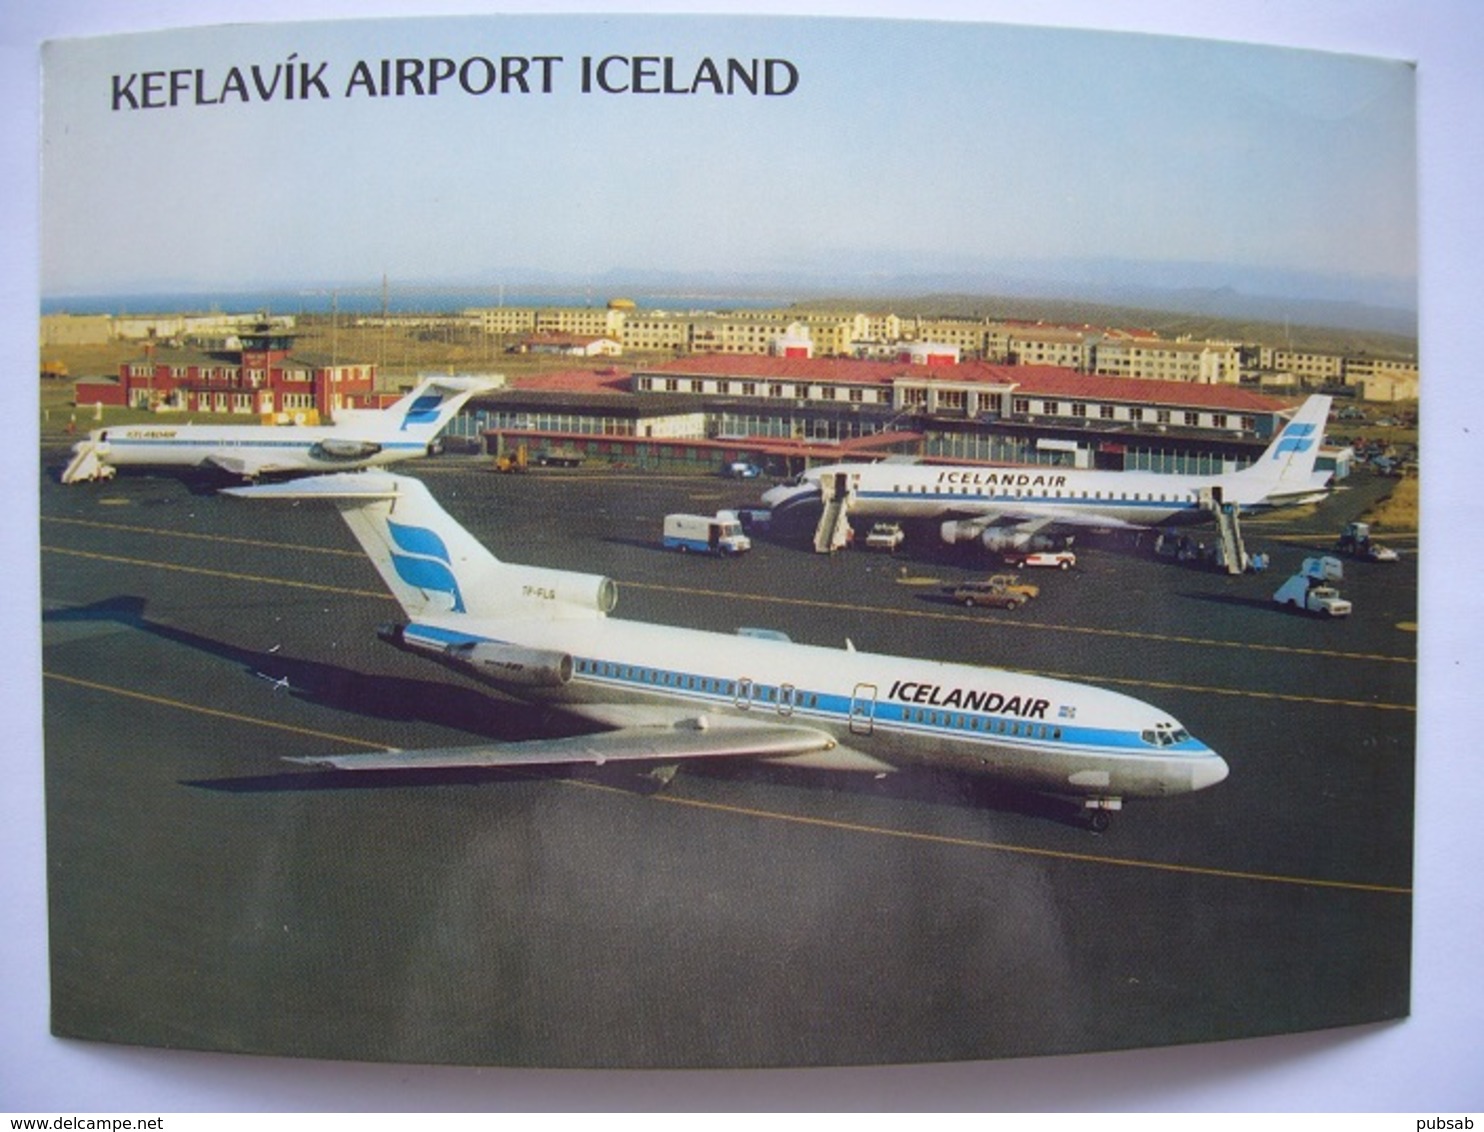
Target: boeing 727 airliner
(1007,508)
(359,438)
(663,694)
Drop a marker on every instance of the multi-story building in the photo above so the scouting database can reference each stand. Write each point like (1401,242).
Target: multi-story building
(833,333)
(656,331)
(263,377)
(1205,363)
(1050,346)
(970,335)
(1360,370)
(1309,365)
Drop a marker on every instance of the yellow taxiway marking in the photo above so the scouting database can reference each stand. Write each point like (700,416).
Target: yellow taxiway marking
(1141,682)
(165,701)
(138,530)
(780,816)
(1023,850)
(1018,622)
(1210,690)
(1164,638)
(214,573)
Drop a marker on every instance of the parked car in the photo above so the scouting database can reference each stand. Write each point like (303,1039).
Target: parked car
(1013,583)
(884,536)
(987,593)
(1060,559)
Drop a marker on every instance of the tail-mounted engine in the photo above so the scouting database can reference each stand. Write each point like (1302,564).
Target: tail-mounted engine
(493,661)
(512,664)
(340,448)
(557,593)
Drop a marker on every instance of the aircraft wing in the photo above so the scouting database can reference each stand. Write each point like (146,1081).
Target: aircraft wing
(246,466)
(715,739)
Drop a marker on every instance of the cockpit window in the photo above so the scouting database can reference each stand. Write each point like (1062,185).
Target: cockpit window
(1164,735)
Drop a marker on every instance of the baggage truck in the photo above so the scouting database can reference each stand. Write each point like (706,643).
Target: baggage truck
(705,534)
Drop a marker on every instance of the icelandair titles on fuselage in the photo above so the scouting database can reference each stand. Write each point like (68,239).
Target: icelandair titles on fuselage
(1000,479)
(967,699)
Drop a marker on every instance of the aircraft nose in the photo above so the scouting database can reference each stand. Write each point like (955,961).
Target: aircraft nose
(1208,771)
(785,496)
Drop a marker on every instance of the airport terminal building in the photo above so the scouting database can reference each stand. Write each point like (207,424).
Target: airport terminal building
(784,414)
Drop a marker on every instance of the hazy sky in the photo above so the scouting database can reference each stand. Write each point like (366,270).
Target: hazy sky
(905,147)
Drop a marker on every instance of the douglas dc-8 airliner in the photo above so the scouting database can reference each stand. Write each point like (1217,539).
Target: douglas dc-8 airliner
(662,694)
(359,438)
(1007,508)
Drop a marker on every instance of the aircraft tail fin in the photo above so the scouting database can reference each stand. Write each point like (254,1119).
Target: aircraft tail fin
(1286,468)
(420,414)
(431,564)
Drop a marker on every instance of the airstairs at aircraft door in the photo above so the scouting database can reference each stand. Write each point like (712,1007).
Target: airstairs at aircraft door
(1234,550)
(86,465)
(833,531)
(1228,530)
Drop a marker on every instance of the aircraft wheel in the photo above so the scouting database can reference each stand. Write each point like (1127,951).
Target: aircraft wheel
(1097,821)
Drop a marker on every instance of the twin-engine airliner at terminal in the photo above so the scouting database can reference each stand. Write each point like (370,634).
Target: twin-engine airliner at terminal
(1008,508)
(664,694)
(359,438)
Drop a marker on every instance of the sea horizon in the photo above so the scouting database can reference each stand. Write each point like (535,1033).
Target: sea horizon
(362,301)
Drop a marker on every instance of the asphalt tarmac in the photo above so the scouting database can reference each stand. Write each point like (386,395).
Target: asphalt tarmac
(206,894)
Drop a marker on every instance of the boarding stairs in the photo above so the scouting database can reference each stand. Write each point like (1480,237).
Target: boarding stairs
(86,464)
(833,532)
(1233,553)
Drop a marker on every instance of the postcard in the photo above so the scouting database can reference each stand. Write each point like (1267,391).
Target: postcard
(716,542)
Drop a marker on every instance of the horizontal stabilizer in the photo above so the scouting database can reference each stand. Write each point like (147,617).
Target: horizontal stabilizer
(713,740)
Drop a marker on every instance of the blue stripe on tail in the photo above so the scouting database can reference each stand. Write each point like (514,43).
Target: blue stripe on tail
(427,563)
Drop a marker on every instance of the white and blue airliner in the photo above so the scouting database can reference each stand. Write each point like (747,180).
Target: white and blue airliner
(665,694)
(359,438)
(1009,508)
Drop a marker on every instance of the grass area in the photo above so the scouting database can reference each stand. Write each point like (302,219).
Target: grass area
(1398,513)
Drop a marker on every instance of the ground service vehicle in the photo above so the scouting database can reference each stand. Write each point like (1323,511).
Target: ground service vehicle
(513,462)
(1059,559)
(1355,540)
(1309,589)
(987,593)
(1013,583)
(705,534)
(884,536)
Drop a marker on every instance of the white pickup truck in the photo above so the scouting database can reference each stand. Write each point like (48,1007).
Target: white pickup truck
(1312,595)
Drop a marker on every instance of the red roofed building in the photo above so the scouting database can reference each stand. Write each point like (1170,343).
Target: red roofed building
(789,412)
(264,376)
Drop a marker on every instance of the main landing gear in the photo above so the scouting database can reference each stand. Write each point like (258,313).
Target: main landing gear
(1095,812)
